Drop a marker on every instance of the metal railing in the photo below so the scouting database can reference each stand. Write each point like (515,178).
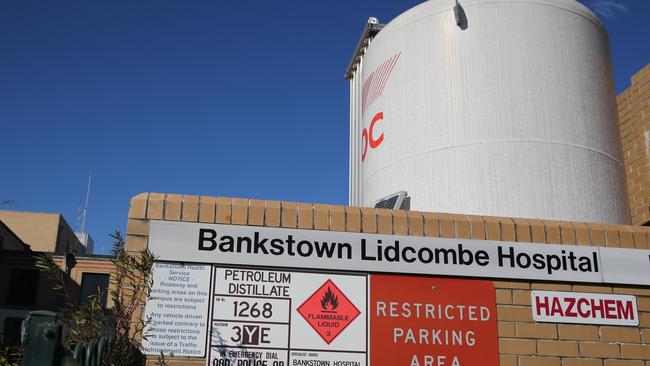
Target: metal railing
(42,337)
(91,353)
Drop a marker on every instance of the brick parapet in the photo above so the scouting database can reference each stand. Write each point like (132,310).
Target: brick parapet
(240,211)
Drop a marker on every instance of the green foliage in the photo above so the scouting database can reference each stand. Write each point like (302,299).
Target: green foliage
(11,356)
(130,287)
(161,360)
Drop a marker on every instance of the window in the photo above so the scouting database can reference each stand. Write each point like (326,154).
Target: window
(22,286)
(92,284)
(11,331)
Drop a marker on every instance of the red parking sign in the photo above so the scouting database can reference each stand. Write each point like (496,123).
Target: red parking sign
(420,321)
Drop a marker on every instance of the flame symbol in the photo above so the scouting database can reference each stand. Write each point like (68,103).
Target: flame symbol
(331,299)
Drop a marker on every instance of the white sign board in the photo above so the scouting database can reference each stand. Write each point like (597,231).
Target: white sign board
(278,318)
(294,248)
(584,308)
(178,310)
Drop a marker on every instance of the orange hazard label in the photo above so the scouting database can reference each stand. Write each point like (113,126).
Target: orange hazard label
(328,311)
(420,321)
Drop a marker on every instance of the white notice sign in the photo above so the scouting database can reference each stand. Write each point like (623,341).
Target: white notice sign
(178,310)
(277,318)
(584,308)
(362,252)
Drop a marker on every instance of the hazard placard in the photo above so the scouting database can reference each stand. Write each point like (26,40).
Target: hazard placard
(278,318)
(328,311)
(418,321)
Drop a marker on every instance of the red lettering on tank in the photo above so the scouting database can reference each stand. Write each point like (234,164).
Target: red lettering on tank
(368,136)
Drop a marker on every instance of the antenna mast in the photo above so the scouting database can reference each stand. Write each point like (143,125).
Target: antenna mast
(85,212)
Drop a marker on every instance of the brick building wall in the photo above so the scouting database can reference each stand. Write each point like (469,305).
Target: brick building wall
(634,119)
(42,231)
(522,342)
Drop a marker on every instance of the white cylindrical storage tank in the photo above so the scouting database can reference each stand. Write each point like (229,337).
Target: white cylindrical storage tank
(509,113)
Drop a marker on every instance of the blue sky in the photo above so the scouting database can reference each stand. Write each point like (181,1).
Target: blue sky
(229,98)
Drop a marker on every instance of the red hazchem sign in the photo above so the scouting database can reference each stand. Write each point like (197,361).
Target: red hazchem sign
(419,321)
(585,308)
(328,311)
